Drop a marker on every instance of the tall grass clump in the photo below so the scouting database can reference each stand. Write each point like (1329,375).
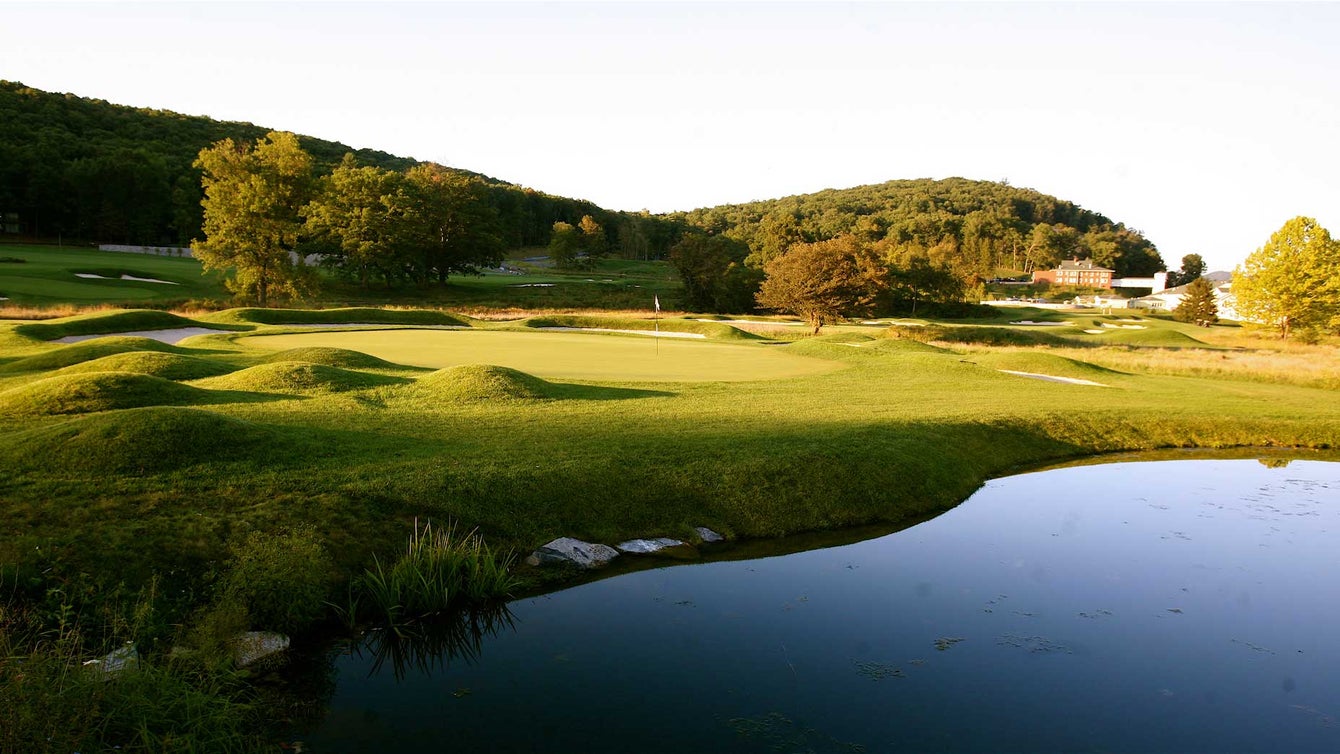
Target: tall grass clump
(439,571)
(52,699)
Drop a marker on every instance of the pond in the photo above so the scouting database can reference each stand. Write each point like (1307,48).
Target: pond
(1155,607)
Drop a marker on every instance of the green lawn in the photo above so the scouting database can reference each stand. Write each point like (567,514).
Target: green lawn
(567,356)
(48,276)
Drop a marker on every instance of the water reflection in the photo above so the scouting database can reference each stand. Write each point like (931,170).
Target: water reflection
(430,646)
(1153,607)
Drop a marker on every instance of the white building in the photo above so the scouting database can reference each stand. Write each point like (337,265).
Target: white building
(1167,300)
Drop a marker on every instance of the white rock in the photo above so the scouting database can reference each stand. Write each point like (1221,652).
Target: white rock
(575,551)
(118,660)
(253,646)
(708,535)
(647,546)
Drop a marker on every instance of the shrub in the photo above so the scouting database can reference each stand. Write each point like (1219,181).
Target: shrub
(282,580)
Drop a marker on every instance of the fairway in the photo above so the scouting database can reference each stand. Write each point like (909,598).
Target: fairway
(571,356)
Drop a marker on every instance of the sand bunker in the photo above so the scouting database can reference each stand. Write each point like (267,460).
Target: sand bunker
(1052,378)
(750,322)
(1031,323)
(653,333)
(95,276)
(172,336)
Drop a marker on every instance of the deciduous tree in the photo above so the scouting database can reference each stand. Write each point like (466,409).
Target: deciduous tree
(358,215)
(1293,282)
(1193,266)
(253,197)
(823,281)
(714,274)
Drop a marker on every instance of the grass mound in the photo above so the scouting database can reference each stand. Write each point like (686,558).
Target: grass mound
(97,391)
(708,329)
(904,345)
(332,357)
(297,377)
(169,366)
(350,315)
(1160,338)
(1043,363)
(470,383)
(87,350)
(141,440)
(104,322)
(981,336)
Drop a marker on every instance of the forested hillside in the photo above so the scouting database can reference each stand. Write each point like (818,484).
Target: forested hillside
(84,169)
(974,227)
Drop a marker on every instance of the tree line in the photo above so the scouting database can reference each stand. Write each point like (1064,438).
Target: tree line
(975,226)
(85,169)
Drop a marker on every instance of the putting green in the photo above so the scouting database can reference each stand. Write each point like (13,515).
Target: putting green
(571,356)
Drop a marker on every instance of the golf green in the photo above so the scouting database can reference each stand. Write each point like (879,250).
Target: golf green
(573,356)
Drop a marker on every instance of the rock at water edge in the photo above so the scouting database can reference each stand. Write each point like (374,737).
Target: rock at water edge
(579,553)
(647,546)
(708,535)
(254,646)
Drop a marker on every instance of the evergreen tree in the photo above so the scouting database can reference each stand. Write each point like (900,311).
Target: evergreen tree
(1198,305)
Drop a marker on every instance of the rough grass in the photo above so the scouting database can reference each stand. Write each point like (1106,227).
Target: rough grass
(297,377)
(169,366)
(136,441)
(1316,367)
(96,391)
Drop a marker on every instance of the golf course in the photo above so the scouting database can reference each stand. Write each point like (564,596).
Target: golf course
(171,478)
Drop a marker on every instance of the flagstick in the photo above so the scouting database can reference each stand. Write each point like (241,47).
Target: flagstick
(657,319)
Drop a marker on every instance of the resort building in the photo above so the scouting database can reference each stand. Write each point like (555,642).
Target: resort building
(1078,272)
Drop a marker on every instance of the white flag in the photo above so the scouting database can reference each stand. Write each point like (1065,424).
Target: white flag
(657,299)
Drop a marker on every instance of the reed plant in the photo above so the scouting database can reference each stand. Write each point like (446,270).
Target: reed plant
(440,570)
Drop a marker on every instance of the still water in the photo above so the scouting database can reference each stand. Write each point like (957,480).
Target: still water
(1176,606)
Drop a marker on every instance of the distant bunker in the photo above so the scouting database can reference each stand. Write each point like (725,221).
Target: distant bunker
(566,355)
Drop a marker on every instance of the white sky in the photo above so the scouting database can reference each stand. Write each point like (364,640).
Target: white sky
(1205,125)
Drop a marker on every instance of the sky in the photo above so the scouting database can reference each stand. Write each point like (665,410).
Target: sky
(1204,125)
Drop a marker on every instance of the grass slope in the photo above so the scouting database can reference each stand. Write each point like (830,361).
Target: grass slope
(297,377)
(96,391)
(169,366)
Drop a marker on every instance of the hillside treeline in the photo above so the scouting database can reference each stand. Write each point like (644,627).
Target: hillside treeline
(88,170)
(971,227)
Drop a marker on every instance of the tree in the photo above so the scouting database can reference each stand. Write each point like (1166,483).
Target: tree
(714,274)
(357,215)
(1198,305)
(1293,281)
(450,226)
(822,281)
(253,197)
(564,245)
(1193,266)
